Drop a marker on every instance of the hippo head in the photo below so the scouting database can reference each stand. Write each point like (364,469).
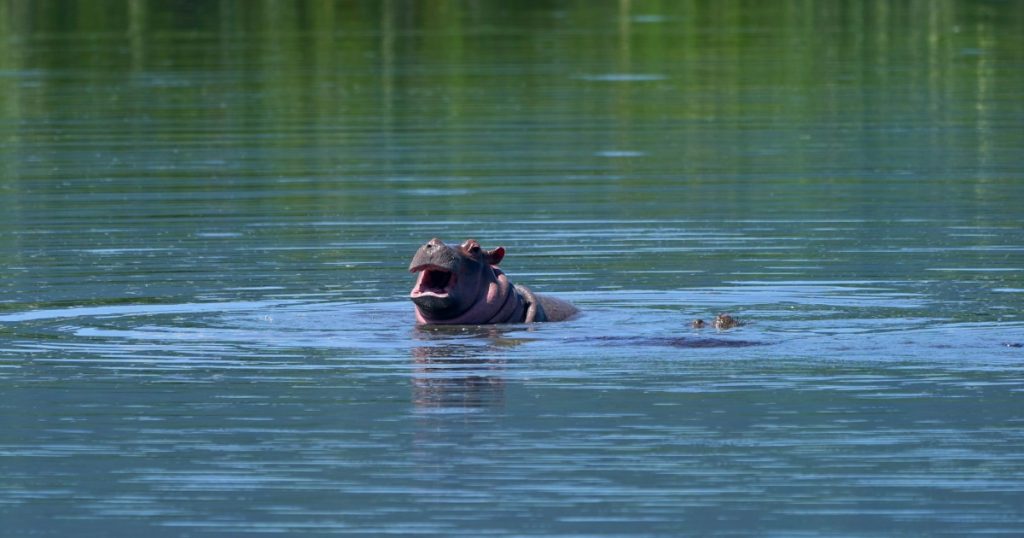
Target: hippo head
(456,284)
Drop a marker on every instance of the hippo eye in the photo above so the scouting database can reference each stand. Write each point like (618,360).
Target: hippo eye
(472,246)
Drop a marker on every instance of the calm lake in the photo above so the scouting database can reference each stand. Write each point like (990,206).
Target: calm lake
(207,211)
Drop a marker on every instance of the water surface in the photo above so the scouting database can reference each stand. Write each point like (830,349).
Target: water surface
(206,214)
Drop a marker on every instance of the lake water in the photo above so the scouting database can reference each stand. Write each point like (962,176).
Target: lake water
(207,210)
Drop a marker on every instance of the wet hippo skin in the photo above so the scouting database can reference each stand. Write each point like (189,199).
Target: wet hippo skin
(462,285)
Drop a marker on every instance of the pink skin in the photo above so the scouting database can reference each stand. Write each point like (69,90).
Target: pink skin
(490,298)
(476,291)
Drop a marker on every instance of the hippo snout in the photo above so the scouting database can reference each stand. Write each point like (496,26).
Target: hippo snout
(433,253)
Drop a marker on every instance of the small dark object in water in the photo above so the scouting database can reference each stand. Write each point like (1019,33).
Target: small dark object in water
(1014,344)
(725,321)
(722,322)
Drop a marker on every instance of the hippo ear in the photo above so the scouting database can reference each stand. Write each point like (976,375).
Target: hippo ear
(494,257)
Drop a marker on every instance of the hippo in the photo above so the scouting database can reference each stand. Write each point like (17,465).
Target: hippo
(463,285)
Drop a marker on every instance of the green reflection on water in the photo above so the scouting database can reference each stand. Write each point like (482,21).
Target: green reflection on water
(165,118)
(819,100)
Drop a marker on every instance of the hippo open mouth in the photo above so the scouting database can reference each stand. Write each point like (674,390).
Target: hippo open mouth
(433,280)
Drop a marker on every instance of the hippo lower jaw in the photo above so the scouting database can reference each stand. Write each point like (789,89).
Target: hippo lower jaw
(433,281)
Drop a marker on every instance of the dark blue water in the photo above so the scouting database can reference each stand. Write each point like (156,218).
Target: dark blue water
(207,211)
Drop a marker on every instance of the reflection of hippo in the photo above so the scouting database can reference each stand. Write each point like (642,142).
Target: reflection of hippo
(456,376)
(463,285)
